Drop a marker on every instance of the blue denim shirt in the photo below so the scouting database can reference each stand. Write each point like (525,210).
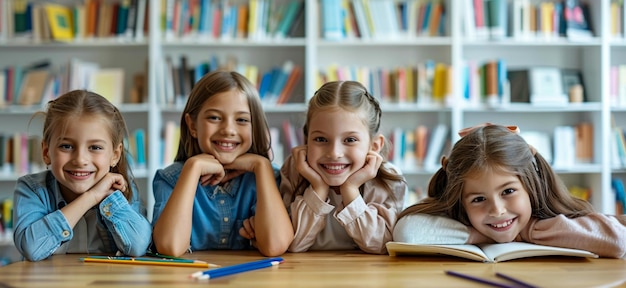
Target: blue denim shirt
(41,228)
(218,211)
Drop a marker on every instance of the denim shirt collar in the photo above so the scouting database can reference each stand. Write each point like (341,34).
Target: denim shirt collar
(231,187)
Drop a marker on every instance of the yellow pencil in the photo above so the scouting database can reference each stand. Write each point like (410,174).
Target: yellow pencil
(145,262)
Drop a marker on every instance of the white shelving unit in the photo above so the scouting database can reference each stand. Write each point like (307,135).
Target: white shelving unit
(312,52)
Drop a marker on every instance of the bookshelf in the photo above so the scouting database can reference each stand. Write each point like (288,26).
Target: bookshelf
(452,46)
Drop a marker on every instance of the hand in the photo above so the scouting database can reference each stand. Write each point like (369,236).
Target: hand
(247,231)
(210,169)
(373,160)
(107,185)
(303,167)
(242,164)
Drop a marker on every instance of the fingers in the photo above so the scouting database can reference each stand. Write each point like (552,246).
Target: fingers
(247,231)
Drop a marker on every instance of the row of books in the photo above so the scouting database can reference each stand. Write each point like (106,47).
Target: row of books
(226,20)
(526,19)
(44,21)
(382,19)
(427,83)
(568,146)
(37,83)
(419,148)
(275,86)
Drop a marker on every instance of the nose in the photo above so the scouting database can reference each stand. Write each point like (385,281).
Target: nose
(335,151)
(80,157)
(497,208)
(228,128)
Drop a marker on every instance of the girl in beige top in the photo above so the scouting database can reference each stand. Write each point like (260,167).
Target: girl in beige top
(338,189)
(497,188)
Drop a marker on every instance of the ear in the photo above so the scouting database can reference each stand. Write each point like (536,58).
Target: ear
(191,126)
(378,142)
(45,150)
(117,154)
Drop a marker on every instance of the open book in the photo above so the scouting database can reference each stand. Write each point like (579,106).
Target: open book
(485,252)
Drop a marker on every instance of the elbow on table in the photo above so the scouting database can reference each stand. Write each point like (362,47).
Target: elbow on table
(275,247)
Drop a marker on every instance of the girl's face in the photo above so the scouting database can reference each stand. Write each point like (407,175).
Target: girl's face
(82,156)
(337,144)
(497,205)
(223,127)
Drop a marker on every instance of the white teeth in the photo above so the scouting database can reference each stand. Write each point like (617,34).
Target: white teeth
(502,225)
(226,144)
(335,167)
(80,174)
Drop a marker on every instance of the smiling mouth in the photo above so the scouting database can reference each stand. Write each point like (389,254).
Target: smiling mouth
(335,167)
(503,224)
(225,145)
(79,174)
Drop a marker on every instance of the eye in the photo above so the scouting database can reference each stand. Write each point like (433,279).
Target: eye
(243,120)
(477,199)
(213,118)
(508,191)
(96,147)
(319,139)
(66,147)
(351,140)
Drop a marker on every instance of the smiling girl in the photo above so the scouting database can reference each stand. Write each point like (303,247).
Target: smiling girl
(87,201)
(497,188)
(221,192)
(340,192)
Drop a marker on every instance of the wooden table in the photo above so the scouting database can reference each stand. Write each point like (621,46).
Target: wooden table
(318,269)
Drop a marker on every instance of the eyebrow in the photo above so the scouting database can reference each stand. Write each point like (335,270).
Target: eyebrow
(504,185)
(220,111)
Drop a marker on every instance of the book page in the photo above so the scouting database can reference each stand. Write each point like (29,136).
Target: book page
(515,250)
(471,252)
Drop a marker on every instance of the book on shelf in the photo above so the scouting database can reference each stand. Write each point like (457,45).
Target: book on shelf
(33,85)
(489,253)
(436,145)
(60,21)
(576,20)
(108,82)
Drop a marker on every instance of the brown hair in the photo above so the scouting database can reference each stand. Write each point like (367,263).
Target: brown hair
(496,147)
(351,96)
(214,83)
(78,103)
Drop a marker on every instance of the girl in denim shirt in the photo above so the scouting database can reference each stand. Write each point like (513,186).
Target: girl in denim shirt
(222,190)
(86,202)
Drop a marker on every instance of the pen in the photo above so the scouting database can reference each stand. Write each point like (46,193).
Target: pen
(516,281)
(239,268)
(479,280)
(144,261)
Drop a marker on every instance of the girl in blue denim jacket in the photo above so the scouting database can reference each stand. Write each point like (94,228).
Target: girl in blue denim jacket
(86,202)
(222,190)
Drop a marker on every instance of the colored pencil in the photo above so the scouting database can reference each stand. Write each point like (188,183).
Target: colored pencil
(516,281)
(238,268)
(479,280)
(180,260)
(145,261)
(158,255)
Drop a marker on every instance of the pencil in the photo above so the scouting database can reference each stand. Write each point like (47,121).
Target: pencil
(479,280)
(239,268)
(158,255)
(145,261)
(150,259)
(516,281)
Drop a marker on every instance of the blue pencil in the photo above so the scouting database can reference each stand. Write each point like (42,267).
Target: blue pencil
(239,268)
(517,281)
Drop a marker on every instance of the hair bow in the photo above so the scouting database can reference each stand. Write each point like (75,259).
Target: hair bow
(465,131)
